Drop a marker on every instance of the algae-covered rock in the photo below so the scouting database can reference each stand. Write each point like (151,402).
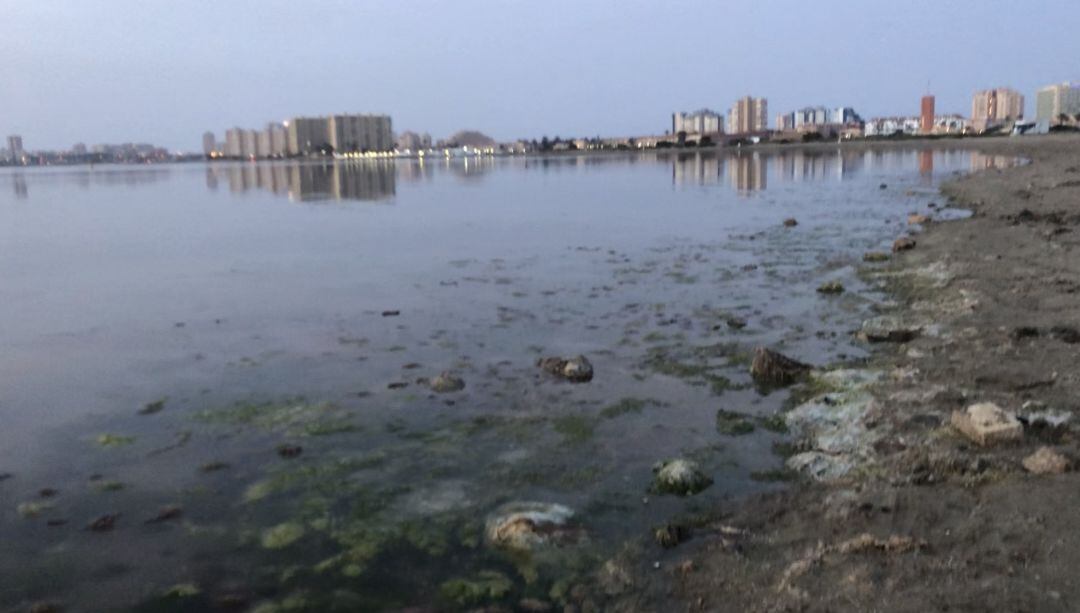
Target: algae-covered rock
(732,424)
(525,526)
(30,510)
(446,382)
(679,476)
(577,369)
(487,586)
(889,329)
(875,256)
(774,368)
(282,535)
(183,590)
(831,287)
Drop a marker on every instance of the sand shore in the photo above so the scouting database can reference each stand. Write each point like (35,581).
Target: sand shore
(928,520)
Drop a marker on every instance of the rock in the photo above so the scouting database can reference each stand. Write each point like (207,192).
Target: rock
(166,513)
(904,243)
(888,329)
(103,523)
(153,407)
(875,256)
(670,535)
(986,423)
(831,287)
(915,219)
(883,186)
(289,451)
(679,476)
(1046,461)
(524,526)
(534,605)
(773,368)
(393,313)
(446,383)
(577,369)
(790,222)
(614,578)
(735,323)
(30,510)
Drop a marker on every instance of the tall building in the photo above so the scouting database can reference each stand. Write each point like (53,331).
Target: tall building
(926,115)
(703,121)
(307,134)
(994,107)
(233,145)
(360,133)
(208,142)
(1053,101)
(15,149)
(262,144)
(79,149)
(748,115)
(279,140)
(845,115)
(249,143)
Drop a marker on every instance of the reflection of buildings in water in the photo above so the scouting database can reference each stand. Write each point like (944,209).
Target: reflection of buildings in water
(926,165)
(696,169)
(415,170)
(19,182)
(366,180)
(470,167)
(748,173)
(797,166)
(981,161)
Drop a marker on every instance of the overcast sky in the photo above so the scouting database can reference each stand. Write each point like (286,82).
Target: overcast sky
(150,70)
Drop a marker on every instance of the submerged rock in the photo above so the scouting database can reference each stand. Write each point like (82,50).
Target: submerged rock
(680,476)
(524,526)
(446,382)
(904,243)
(774,368)
(577,369)
(735,323)
(670,535)
(1046,461)
(732,423)
(831,287)
(889,329)
(790,222)
(986,424)
(916,219)
(103,523)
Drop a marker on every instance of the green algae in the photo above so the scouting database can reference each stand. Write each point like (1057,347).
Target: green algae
(624,406)
(575,429)
(114,440)
(282,535)
(293,416)
(733,424)
(774,423)
(775,475)
(485,587)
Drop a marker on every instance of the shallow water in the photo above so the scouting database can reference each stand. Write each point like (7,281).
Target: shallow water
(250,299)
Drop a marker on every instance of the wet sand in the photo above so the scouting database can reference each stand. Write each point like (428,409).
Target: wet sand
(927,520)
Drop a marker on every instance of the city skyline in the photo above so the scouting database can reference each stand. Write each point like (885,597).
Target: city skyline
(224,66)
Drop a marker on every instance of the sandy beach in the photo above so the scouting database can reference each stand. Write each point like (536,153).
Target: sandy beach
(925,518)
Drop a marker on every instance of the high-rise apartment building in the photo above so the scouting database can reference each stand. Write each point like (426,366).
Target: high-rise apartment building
(209,143)
(233,144)
(307,134)
(249,143)
(15,149)
(926,115)
(748,115)
(360,133)
(994,107)
(279,139)
(703,121)
(1053,101)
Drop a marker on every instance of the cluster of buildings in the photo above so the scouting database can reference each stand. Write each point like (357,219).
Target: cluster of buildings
(15,154)
(304,136)
(747,116)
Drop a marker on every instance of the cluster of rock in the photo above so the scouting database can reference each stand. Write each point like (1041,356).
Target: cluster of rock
(576,369)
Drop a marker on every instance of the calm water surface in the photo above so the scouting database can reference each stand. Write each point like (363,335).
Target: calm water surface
(165,330)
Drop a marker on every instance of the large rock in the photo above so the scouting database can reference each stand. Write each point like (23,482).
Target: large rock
(1046,461)
(773,368)
(904,243)
(987,424)
(577,369)
(680,476)
(524,526)
(446,382)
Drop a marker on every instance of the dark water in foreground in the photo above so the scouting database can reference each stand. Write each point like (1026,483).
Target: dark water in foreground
(166,330)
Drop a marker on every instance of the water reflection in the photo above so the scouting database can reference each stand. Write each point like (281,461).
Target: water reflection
(366,181)
(748,172)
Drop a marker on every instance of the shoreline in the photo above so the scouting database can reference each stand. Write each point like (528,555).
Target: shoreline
(926,519)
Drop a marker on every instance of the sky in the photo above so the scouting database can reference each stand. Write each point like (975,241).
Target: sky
(97,71)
